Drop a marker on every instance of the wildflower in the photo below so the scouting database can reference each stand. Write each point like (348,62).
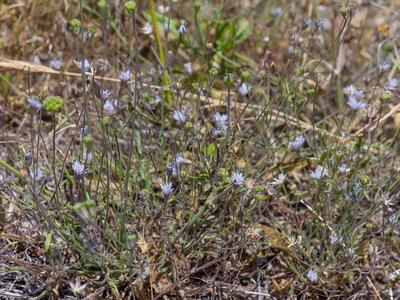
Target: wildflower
(188,67)
(385,66)
(34,103)
(157,99)
(237,179)
(163,9)
(221,121)
(356,105)
(36,174)
(167,189)
(182,28)
(179,116)
(89,156)
(110,106)
(85,64)
(173,166)
(276,11)
(1,180)
(392,83)
(344,169)
(78,169)
(334,238)
(125,75)
(319,172)
(244,89)
(105,94)
(56,64)
(83,130)
(312,275)
(297,143)
(147,29)
(279,180)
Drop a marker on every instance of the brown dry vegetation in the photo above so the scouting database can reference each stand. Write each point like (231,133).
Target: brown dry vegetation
(112,235)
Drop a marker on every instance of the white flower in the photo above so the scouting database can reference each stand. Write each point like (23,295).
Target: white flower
(173,166)
(237,179)
(182,28)
(279,180)
(244,89)
(1,180)
(167,188)
(319,172)
(356,105)
(110,106)
(105,94)
(85,65)
(385,66)
(297,143)
(179,116)
(188,67)
(312,275)
(344,169)
(56,64)
(78,169)
(34,103)
(125,75)
(147,29)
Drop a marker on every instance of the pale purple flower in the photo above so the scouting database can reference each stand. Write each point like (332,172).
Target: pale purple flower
(276,11)
(392,83)
(355,104)
(237,179)
(147,29)
(344,169)
(105,94)
(188,67)
(179,115)
(157,99)
(182,28)
(221,121)
(319,172)
(85,65)
(279,180)
(110,106)
(56,64)
(78,169)
(244,89)
(1,180)
(334,238)
(36,174)
(297,143)
(34,103)
(312,275)
(351,90)
(125,75)
(385,66)
(167,188)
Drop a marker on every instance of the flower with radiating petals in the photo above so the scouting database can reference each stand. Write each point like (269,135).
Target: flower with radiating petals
(179,115)
(237,179)
(85,64)
(312,275)
(34,103)
(297,143)
(244,89)
(78,169)
(167,188)
(125,75)
(319,172)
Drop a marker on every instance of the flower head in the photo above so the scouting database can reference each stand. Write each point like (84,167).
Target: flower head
(279,180)
(85,64)
(188,67)
(334,238)
(179,115)
(105,94)
(237,179)
(355,104)
(147,29)
(244,89)
(312,275)
(110,106)
(56,64)
(78,169)
(167,188)
(34,103)
(297,143)
(319,172)
(125,75)
(182,28)
(221,121)
(392,83)
(344,169)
